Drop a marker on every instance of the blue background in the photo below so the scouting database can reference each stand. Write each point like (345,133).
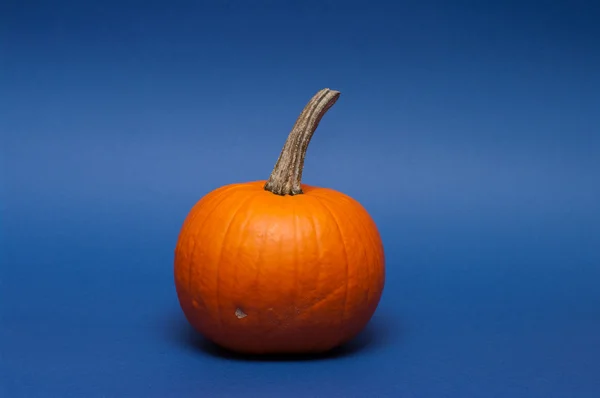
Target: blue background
(470,131)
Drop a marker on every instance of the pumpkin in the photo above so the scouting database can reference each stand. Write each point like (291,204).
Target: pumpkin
(277,266)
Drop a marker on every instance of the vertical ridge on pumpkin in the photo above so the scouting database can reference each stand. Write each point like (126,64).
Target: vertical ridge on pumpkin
(183,238)
(375,240)
(375,248)
(220,257)
(317,235)
(213,199)
(243,210)
(296,272)
(258,264)
(343,245)
(363,230)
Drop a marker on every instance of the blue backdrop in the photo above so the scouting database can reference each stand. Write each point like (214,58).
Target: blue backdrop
(469,130)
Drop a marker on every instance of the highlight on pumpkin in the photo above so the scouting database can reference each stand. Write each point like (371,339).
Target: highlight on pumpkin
(266,267)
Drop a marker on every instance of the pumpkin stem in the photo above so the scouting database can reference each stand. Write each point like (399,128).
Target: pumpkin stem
(286,177)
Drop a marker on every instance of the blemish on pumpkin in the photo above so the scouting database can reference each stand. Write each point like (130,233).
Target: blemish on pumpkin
(195,303)
(240,314)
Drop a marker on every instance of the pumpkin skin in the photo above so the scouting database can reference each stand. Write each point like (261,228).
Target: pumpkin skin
(261,273)
(280,267)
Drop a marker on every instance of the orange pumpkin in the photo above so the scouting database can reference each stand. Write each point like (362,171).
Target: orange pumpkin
(277,266)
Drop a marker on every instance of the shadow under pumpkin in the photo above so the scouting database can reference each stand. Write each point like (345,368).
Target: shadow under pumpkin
(379,333)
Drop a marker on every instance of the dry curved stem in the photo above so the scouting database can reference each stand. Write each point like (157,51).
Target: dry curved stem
(286,177)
